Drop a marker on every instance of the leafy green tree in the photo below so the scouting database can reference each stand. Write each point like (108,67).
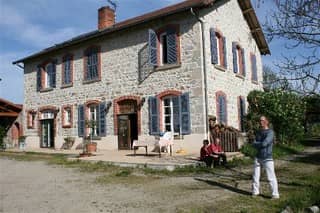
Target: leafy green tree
(285,110)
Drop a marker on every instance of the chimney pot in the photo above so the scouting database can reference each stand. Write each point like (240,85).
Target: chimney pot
(106,17)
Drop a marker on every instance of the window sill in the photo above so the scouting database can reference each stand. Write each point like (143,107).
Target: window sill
(221,68)
(66,85)
(66,126)
(30,127)
(46,89)
(94,138)
(240,76)
(167,67)
(91,81)
(255,82)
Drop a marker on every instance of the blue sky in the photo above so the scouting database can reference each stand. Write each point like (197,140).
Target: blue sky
(29,26)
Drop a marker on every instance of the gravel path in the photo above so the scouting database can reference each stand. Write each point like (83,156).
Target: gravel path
(35,187)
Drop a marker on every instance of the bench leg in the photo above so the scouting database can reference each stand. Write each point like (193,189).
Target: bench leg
(170,150)
(146,150)
(134,151)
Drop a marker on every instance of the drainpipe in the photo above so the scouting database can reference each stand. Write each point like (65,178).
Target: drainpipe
(204,65)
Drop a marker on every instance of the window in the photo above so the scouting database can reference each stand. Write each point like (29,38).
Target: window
(92,64)
(242,112)
(221,107)
(92,119)
(238,59)
(174,115)
(31,119)
(164,46)
(171,114)
(46,76)
(218,48)
(254,71)
(66,116)
(67,70)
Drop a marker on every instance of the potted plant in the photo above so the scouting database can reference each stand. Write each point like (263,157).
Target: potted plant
(89,145)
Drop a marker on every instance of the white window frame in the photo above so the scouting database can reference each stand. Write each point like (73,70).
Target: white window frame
(218,49)
(67,116)
(47,76)
(92,113)
(171,115)
(161,47)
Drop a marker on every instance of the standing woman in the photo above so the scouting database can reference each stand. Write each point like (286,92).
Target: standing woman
(263,145)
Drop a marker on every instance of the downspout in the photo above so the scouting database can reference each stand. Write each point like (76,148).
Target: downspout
(204,65)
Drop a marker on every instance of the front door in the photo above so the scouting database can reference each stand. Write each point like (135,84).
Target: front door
(124,132)
(47,134)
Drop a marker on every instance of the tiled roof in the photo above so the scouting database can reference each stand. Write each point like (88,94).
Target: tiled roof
(245,5)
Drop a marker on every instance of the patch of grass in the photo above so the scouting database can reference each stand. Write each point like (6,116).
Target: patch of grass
(123,173)
(179,171)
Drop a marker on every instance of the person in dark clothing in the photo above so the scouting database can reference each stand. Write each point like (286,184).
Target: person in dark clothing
(205,154)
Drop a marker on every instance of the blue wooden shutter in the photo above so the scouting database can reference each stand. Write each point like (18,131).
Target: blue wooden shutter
(222,109)
(152,43)
(172,46)
(225,52)
(243,62)
(102,119)
(94,66)
(153,116)
(53,75)
(39,78)
(213,46)
(80,120)
(235,57)
(254,68)
(242,112)
(185,122)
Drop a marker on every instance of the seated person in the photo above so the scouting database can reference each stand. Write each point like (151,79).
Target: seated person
(217,153)
(205,154)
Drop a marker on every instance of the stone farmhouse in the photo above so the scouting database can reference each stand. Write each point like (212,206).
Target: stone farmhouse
(166,70)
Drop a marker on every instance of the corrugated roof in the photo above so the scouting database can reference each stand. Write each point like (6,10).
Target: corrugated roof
(173,9)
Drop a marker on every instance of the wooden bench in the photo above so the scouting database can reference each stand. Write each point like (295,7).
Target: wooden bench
(147,141)
(141,143)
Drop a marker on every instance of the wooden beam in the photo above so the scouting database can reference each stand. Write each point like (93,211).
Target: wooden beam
(247,10)
(9,114)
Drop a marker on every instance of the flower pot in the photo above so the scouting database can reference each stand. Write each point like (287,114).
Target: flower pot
(91,147)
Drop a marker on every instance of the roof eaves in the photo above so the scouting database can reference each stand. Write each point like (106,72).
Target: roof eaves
(176,8)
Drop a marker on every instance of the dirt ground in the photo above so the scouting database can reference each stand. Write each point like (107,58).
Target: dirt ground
(36,187)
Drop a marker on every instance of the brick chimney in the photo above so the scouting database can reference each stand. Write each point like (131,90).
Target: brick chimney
(106,17)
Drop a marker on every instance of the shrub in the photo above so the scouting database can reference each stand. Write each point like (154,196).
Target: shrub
(285,111)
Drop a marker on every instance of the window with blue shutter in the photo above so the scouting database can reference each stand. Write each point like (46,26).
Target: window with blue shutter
(153,116)
(102,119)
(67,72)
(213,46)
(81,121)
(235,57)
(39,83)
(242,112)
(185,122)
(92,65)
(152,43)
(254,68)
(53,75)
(171,46)
(243,62)
(225,63)
(222,109)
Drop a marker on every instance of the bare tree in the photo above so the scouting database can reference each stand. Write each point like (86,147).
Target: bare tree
(297,22)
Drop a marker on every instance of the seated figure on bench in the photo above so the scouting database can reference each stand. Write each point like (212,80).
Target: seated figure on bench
(217,153)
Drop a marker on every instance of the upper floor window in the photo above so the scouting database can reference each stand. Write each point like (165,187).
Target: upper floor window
(92,64)
(218,48)
(66,116)
(46,76)
(221,107)
(164,46)
(254,70)
(238,59)
(67,69)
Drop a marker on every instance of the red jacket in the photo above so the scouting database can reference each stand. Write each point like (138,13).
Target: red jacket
(215,148)
(204,152)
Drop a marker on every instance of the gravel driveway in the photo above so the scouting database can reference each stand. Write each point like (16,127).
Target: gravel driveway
(36,187)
